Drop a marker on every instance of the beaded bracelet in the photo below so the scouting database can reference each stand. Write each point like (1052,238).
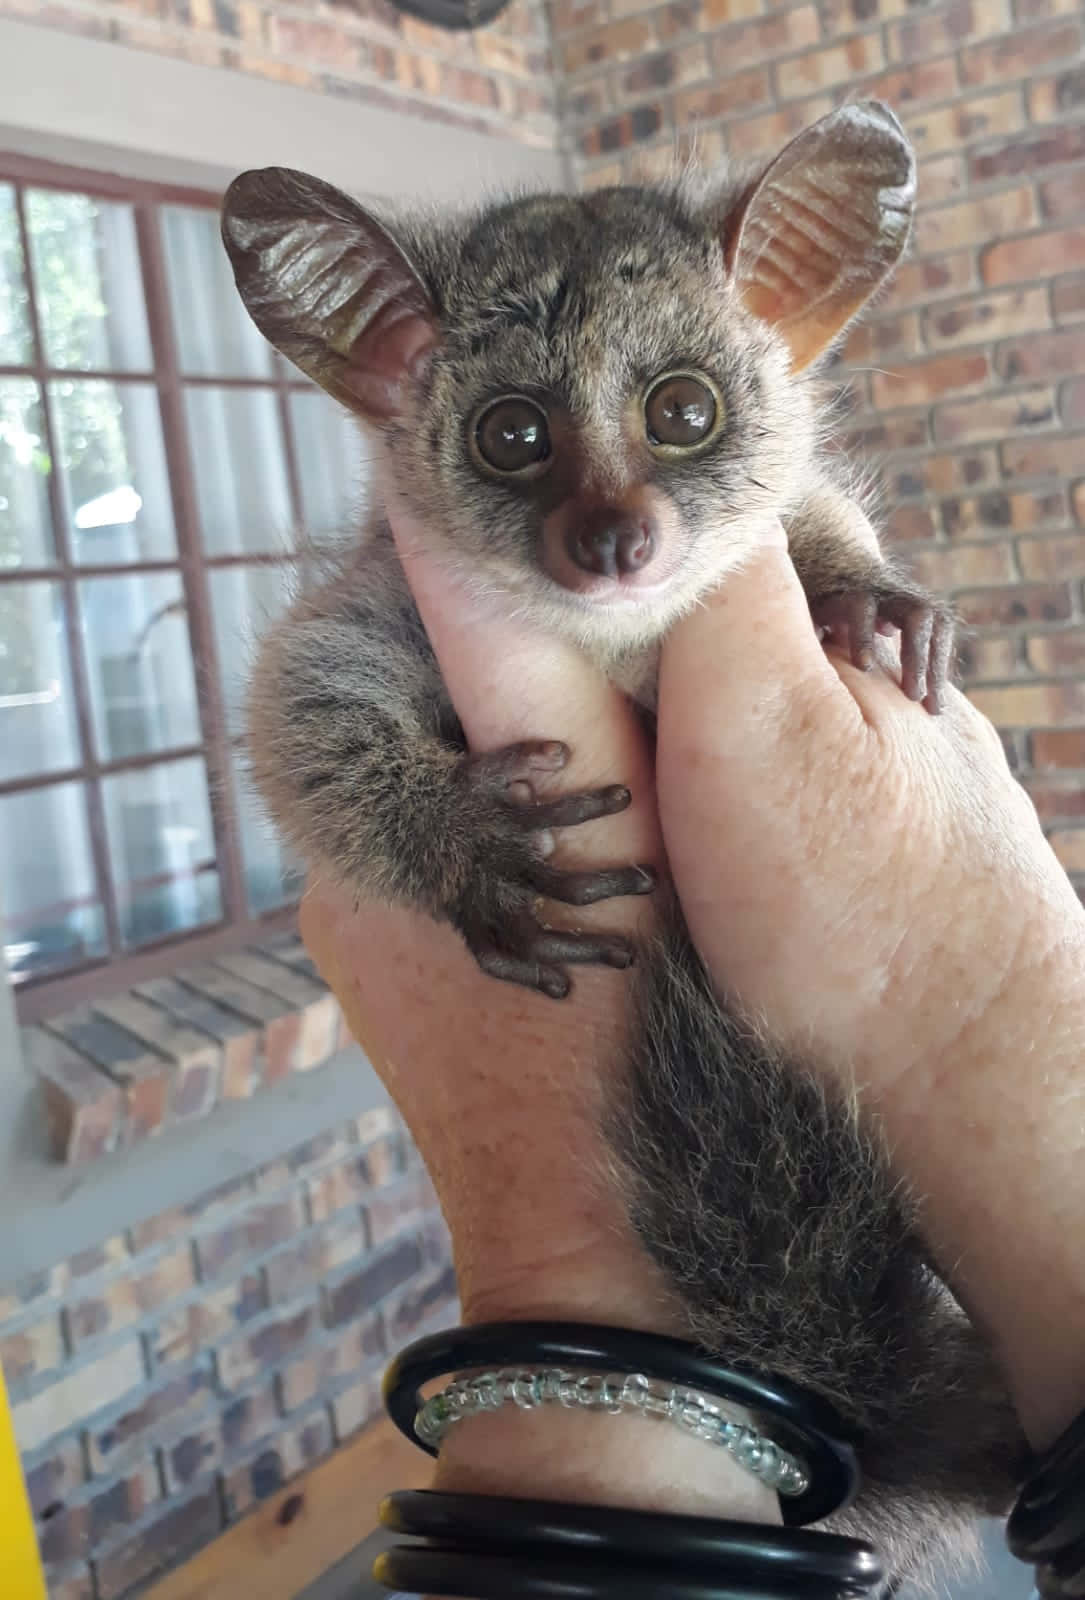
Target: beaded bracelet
(689,1410)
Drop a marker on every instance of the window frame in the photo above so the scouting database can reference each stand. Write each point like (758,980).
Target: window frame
(50,992)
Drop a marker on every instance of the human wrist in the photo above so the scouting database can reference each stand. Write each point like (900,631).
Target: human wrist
(992,1138)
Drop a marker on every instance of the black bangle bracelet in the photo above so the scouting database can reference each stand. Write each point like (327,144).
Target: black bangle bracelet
(806,1425)
(489,1548)
(1047,1525)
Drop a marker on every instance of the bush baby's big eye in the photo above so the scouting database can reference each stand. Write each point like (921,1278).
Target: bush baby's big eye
(681,412)
(512,436)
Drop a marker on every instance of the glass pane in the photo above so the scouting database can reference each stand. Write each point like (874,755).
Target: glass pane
(38,731)
(332,463)
(52,917)
(143,688)
(215,335)
(241,483)
(162,849)
(273,876)
(26,531)
(113,471)
(90,289)
(15,343)
(244,601)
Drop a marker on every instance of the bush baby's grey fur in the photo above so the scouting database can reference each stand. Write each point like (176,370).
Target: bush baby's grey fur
(764,1197)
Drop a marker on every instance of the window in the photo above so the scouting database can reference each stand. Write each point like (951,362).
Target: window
(160,469)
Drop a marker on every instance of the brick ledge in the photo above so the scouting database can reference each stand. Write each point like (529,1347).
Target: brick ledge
(119,1070)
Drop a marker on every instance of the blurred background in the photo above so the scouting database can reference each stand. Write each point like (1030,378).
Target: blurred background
(216,1226)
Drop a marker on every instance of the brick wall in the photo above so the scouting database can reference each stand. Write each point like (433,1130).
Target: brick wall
(965,384)
(166,1380)
(497,80)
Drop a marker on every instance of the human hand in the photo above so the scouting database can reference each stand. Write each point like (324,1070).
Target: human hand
(873,883)
(502,1087)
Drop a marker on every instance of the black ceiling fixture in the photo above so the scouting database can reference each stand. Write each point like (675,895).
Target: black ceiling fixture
(455,14)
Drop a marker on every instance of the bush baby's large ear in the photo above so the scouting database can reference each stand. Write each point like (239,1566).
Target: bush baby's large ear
(329,286)
(826,223)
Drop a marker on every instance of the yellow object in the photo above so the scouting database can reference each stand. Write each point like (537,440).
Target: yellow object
(21,1575)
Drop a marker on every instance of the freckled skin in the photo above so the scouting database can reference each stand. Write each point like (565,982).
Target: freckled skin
(768,1203)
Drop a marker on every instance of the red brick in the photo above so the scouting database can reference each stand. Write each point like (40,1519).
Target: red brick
(358,1293)
(237,1039)
(984,116)
(422,1308)
(250,1418)
(122,1301)
(753,43)
(1040,10)
(1078,500)
(239,1360)
(360,1347)
(1035,458)
(927,380)
(54,1477)
(1019,53)
(963,566)
(74,1396)
(1072,403)
(322,1251)
(992,316)
(113,1445)
(180,1528)
(144,1076)
(822,69)
(316,1006)
(386,1158)
(975,221)
(1056,653)
(97,1513)
(886,434)
(994,416)
(36,1347)
(892,336)
(1064,747)
(941,178)
(398,1209)
(1069,846)
(1058,801)
(941,475)
(1063,198)
(356,1406)
(279,1022)
(1028,155)
(724,97)
(717,13)
(908,522)
(613,41)
(756,137)
(1052,558)
(988,660)
(83,1106)
(256,1229)
(668,69)
(939,32)
(191,1329)
(345,1184)
(1042,356)
(930,280)
(997,513)
(187,1458)
(73,1583)
(280,1459)
(1050,97)
(908,86)
(1032,705)
(1042,255)
(1017,603)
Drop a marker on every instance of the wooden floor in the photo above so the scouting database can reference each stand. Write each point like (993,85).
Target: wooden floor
(295,1539)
